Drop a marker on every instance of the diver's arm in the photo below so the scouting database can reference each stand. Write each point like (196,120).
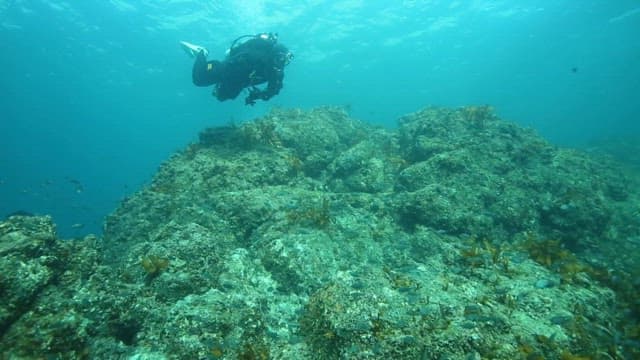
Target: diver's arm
(274,84)
(281,59)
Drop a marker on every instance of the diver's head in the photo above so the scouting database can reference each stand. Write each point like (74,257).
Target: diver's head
(288,57)
(282,55)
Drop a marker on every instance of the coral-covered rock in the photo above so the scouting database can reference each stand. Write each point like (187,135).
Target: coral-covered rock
(311,235)
(39,276)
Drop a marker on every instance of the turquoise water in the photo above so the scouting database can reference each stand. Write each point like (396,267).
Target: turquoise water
(97,94)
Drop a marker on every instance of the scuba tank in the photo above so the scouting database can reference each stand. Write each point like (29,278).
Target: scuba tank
(273,37)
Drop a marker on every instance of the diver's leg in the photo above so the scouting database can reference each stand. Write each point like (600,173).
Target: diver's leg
(236,78)
(205,72)
(227,90)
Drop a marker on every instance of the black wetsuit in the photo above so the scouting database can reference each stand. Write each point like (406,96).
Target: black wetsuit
(256,61)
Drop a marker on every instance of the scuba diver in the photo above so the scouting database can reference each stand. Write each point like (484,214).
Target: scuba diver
(251,60)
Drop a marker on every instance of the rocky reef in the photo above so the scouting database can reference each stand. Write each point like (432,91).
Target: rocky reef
(312,235)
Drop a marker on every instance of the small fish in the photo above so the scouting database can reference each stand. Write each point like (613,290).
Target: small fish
(77,226)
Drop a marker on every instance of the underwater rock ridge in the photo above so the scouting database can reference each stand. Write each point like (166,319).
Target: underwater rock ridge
(312,235)
(462,170)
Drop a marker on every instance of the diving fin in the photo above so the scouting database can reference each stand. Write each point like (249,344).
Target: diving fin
(193,50)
